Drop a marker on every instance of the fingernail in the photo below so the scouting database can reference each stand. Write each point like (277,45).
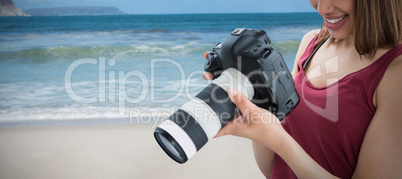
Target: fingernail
(232,92)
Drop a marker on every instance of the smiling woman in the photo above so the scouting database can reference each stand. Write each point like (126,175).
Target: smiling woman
(347,123)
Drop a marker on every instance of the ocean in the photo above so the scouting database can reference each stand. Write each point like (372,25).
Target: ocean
(79,70)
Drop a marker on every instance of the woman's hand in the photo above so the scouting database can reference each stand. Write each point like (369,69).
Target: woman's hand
(255,123)
(254,120)
(263,127)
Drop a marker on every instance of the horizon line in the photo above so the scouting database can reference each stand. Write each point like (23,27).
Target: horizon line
(201,13)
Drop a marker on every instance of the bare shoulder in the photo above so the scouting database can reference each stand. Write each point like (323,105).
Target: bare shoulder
(380,152)
(391,81)
(388,93)
(307,39)
(310,35)
(303,46)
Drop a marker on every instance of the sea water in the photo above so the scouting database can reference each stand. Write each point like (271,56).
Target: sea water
(119,69)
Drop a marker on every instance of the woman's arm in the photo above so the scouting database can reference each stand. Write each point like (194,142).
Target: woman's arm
(381,152)
(264,157)
(263,127)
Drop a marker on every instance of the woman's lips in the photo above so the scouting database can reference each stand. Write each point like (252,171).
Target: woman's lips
(334,23)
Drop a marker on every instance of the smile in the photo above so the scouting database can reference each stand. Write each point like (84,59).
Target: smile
(334,21)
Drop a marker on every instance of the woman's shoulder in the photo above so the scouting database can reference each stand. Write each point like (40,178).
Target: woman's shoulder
(394,69)
(389,83)
(307,38)
(310,36)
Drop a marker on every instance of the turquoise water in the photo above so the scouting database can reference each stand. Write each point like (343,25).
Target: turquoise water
(119,67)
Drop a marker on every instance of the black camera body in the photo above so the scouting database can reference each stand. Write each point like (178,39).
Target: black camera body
(248,51)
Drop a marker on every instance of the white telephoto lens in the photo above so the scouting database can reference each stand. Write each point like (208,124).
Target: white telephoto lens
(200,119)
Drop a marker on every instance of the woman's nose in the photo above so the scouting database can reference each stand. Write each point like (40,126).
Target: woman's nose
(325,7)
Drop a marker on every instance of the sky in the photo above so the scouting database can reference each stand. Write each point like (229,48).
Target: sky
(179,6)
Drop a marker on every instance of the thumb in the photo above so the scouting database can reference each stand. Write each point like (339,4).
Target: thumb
(240,100)
(206,55)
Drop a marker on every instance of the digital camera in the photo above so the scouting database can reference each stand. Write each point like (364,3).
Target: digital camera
(244,61)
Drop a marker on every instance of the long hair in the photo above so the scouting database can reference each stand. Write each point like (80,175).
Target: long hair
(377,24)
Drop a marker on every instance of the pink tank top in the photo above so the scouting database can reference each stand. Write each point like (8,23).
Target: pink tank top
(330,122)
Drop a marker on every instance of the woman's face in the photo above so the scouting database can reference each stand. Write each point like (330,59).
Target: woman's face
(338,16)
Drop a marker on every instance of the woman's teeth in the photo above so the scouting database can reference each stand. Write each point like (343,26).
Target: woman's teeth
(334,21)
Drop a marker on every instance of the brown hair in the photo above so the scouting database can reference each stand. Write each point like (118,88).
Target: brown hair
(378,24)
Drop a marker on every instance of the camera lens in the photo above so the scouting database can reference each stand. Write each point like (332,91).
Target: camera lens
(170,145)
(188,129)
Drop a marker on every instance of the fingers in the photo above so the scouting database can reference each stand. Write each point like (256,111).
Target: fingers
(240,101)
(206,55)
(207,76)
(230,127)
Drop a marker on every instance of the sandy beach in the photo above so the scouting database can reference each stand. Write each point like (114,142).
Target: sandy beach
(115,151)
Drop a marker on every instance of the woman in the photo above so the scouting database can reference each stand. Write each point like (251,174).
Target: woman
(348,123)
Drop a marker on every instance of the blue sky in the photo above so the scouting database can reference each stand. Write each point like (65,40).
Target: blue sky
(179,6)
